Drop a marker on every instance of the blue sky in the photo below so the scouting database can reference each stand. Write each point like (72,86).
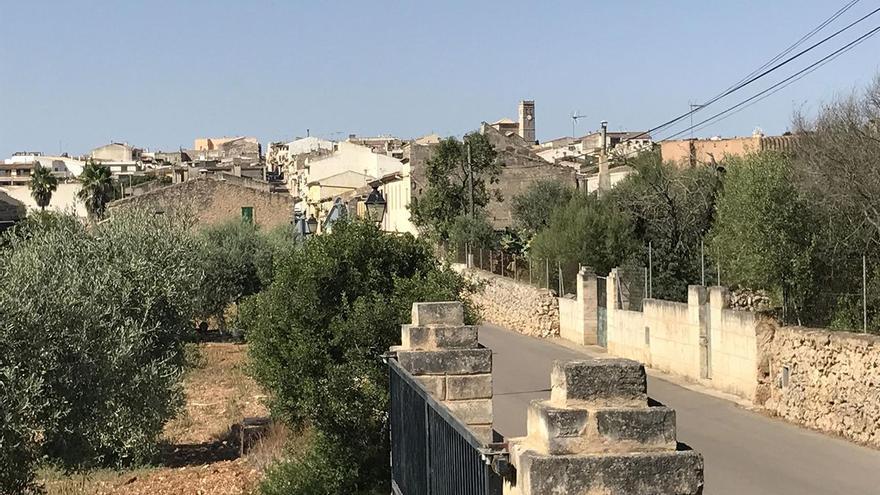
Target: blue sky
(161,73)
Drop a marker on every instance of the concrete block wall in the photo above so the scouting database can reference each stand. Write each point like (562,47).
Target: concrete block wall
(667,336)
(445,356)
(598,434)
(734,344)
(578,317)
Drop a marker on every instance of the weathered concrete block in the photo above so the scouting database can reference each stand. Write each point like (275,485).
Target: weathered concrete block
(654,473)
(611,382)
(651,428)
(484,433)
(453,362)
(469,387)
(438,337)
(554,430)
(434,384)
(437,313)
(471,412)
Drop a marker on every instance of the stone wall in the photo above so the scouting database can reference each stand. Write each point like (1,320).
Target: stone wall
(517,306)
(215,201)
(821,379)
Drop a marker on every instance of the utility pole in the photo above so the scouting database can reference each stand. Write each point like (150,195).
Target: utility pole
(470,180)
(470,256)
(693,106)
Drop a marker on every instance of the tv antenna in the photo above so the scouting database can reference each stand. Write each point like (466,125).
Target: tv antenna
(574,118)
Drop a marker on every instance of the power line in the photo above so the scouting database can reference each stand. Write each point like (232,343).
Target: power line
(797,43)
(800,73)
(760,75)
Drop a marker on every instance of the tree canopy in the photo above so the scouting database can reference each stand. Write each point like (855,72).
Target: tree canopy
(43,185)
(447,194)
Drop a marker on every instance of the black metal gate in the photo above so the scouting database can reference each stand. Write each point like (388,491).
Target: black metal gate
(432,452)
(601,312)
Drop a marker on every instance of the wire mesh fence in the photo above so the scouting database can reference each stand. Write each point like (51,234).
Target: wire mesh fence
(844,295)
(559,276)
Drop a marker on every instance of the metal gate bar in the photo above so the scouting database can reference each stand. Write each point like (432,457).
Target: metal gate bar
(432,451)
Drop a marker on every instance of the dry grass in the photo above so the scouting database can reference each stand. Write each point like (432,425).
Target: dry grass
(198,456)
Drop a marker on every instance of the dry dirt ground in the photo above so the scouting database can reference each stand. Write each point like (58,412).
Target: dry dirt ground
(199,455)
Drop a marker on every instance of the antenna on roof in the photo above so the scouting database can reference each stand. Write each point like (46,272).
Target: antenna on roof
(574,118)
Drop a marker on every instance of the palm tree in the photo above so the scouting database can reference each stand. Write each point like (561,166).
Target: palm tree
(43,184)
(97,185)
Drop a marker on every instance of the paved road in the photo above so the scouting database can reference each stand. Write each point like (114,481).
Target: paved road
(745,453)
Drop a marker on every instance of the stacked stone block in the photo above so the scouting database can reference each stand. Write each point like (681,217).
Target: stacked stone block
(598,434)
(444,355)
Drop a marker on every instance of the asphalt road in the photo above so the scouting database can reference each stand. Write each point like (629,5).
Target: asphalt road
(745,452)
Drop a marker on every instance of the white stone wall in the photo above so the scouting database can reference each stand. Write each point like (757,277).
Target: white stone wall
(833,381)
(627,339)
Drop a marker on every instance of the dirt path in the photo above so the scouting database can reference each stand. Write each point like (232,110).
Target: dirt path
(200,455)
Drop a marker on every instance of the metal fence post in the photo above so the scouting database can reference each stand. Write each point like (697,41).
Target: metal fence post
(547,271)
(650,270)
(561,282)
(530,272)
(515,272)
(864,294)
(702,264)
(502,263)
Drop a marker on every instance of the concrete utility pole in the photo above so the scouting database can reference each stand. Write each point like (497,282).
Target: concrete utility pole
(470,180)
(693,106)
(469,259)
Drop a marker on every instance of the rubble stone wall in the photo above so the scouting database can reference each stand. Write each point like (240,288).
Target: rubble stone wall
(215,201)
(517,306)
(822,379)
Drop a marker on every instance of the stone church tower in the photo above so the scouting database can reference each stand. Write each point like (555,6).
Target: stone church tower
(527,120)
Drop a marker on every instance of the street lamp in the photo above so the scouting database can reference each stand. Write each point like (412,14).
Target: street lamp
(303,228)
(375,206)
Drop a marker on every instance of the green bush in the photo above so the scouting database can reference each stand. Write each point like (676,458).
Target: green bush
(94,323)
(764,233)
(316,336)
(587,230)
(237,263)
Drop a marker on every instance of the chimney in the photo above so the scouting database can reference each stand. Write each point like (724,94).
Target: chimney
(604,136)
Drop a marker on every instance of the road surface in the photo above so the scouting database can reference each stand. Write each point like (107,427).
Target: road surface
(745,453)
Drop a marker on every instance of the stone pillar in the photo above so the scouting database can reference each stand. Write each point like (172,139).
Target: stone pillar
(698,319)
(598,434)
(587,293)
(444,355)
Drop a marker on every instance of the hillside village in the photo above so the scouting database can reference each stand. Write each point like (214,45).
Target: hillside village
(653,304)
(315,174)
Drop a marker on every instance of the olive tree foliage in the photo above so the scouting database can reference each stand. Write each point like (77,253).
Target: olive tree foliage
(316,335)
(765,232)
(473,231)
(237,263)
(532,209)
(672,209)
(588,230)
(92,329)
(447,192)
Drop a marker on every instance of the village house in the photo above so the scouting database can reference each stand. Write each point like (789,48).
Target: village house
(693,152)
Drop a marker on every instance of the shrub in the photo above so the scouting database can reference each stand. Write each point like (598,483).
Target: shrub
(586,230)
(93,329)
(316,336)
(237,263)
